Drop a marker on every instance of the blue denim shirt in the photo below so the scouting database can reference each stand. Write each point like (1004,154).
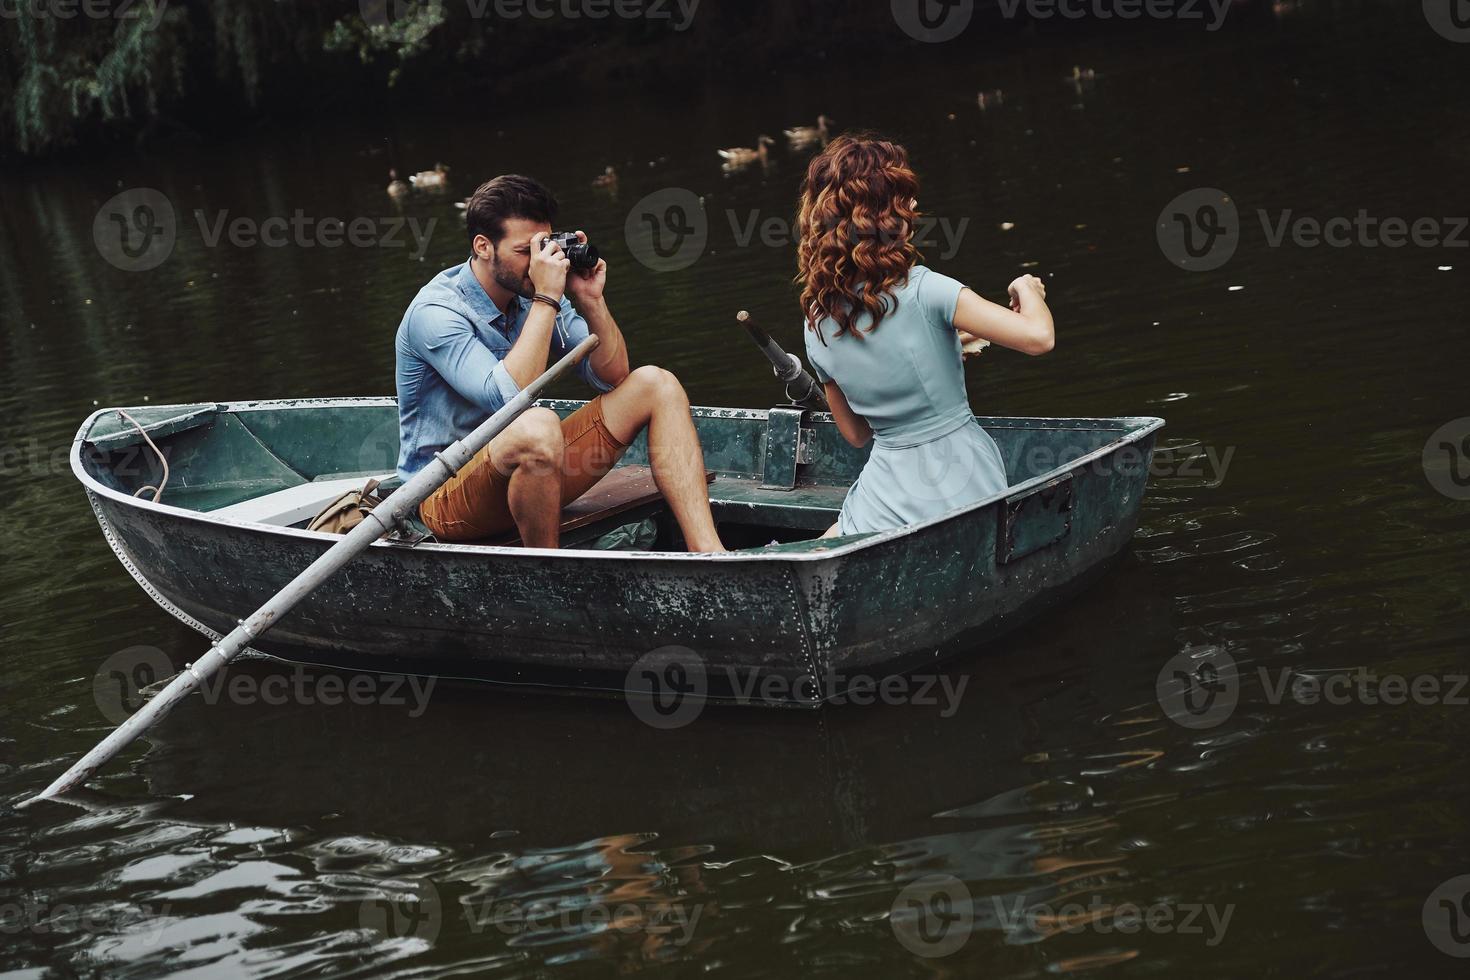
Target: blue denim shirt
(451,373)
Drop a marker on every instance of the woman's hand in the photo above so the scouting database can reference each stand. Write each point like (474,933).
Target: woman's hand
(971,346)
(1025,285)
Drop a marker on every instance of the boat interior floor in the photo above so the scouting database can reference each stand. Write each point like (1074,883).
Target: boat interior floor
(747,514)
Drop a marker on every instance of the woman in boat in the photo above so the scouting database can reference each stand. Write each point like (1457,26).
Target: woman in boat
(884,335)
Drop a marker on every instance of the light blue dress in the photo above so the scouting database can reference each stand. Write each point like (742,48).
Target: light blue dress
(929,455)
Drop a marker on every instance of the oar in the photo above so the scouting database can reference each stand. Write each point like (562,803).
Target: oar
(801,387)
(384,518)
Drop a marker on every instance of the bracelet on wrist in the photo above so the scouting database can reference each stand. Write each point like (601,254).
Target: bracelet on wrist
(543,298)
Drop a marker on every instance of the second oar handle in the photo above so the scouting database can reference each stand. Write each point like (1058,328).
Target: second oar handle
(801,387)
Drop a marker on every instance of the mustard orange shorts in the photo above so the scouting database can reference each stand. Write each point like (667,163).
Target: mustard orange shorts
(474,503)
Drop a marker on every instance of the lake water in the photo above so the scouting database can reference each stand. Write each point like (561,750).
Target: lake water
(1054,820)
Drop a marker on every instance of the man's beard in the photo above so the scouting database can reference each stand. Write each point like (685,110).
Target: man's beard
(506,279)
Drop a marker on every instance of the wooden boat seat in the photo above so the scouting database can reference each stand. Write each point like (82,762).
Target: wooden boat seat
(628,492)
(293,504)
(745,501)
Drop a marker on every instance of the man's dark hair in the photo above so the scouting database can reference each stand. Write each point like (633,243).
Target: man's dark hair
(508,196)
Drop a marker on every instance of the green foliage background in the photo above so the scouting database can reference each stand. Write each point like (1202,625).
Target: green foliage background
(68,79)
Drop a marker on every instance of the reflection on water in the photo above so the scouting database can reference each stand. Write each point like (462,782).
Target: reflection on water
(1289,525)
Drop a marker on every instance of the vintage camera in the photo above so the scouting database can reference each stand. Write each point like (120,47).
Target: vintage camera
(583,257)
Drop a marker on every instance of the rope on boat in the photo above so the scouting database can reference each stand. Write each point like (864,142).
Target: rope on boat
(163,460)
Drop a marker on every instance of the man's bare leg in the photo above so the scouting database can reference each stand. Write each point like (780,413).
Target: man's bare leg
(653,397)
(530,450)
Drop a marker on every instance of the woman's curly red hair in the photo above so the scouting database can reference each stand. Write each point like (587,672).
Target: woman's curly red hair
(856,224)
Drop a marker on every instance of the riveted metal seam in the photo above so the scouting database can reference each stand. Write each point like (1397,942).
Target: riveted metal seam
(807,647)
(147,586)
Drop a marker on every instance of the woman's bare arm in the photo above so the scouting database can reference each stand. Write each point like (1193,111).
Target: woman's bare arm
(1025,327)
(854,428)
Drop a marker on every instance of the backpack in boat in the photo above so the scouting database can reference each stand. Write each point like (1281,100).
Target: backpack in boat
(347,511)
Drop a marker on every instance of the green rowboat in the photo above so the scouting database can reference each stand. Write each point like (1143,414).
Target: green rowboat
(245,478)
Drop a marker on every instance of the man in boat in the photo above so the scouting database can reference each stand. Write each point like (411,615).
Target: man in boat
(479,332)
